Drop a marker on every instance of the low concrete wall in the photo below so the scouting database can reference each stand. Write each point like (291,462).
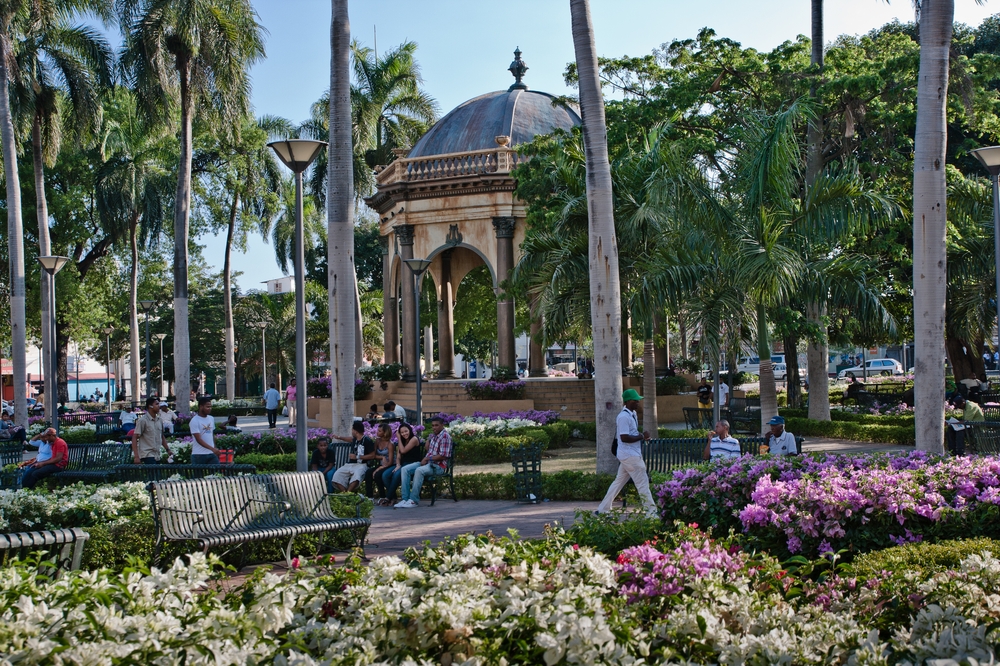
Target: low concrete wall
(669,408)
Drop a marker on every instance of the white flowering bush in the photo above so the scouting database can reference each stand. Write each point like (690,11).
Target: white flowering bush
(471,426)
(71,506)
(479,601)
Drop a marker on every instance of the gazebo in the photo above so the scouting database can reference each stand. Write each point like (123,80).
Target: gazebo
(450,199)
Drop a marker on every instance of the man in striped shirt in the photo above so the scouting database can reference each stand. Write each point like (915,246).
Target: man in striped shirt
(720,445)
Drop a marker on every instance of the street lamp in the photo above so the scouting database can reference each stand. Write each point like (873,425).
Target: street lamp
(146,306)
(107,334)
(52,265)
(417,266)
(990,158)
(160,336)
(297,155)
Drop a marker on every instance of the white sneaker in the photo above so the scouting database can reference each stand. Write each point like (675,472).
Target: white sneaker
(405,504)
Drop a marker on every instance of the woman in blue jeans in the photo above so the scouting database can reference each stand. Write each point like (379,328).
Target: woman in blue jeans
(408,451)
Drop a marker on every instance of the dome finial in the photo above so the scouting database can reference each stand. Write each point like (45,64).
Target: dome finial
(518,68)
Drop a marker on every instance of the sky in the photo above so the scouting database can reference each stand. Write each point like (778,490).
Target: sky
(465,47)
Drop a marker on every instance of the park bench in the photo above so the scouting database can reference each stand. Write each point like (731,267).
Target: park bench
(983,437)
(434,481)
(93,463)
(162,472)
(71,541)
(698,418)
(10,454)
(240,509)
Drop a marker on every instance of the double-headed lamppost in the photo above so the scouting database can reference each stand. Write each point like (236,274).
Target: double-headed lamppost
(418,266)
(146,306)
(52,265)
(297,155)
(990,158)
(107,335)
(160,336)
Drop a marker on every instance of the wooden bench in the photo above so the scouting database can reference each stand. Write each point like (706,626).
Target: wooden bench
(93,463)
(162,472)
(71,541)
(241,509)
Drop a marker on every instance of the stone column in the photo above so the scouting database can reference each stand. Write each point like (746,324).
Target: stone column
(506,356)
(660,347)
(389,307)
(404,233)
(446,321)
(536,350)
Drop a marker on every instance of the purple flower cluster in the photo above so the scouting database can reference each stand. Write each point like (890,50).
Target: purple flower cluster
(645,572)
(491,389)
(320,387)
(836,500)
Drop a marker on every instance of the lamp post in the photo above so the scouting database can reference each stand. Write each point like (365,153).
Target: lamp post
(297,155)
(52,265)
(146,306)
(160,336)
(990,158)
(262,325)
(107,334)
(418,266)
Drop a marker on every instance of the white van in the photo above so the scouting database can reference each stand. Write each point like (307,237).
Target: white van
(751,364)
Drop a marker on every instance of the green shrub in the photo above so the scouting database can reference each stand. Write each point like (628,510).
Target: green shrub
(925,558)
(868,419)
(268,463)
(559,434)
(488,450)
(670,385)
(535,435)
(613,532)
(380,372)
(582,430)
(860,432)
(566,485)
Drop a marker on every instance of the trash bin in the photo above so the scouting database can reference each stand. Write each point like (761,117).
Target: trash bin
(527,462)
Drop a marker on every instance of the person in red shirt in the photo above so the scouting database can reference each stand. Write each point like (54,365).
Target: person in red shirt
(40,467)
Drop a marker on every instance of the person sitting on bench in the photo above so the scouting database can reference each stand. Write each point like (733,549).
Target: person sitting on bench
(720,444)
(348,477)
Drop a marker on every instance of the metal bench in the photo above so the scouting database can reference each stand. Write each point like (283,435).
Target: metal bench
(698,418)
(10,454)
(241,509)
(71,541)
(527,463)
(93,463)
(983,437)
(163,472)
(448,476)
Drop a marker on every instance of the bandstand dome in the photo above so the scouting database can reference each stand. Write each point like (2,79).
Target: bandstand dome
(474,125)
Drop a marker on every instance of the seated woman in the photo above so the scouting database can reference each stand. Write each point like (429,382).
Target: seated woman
(407,451)
(372,414)
(385,455)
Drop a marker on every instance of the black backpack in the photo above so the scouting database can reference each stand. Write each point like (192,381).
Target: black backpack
(614,446)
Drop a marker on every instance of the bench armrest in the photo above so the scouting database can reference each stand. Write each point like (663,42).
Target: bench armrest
(200,517)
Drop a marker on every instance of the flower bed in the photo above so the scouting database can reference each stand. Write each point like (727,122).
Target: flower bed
(859,503)
(481,600)
(492,389)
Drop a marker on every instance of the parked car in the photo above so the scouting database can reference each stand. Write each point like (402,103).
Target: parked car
(751,364)
(875,366)
(780,371)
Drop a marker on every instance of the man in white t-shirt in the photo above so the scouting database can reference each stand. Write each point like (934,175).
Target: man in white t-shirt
(630,462)
(720,444)
(779,441)
(203,451)
(723,393)
(167,416)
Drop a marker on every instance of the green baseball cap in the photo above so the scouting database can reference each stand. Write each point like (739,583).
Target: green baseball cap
(631,394)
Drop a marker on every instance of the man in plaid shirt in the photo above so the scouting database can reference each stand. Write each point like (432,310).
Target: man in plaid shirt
(435,463)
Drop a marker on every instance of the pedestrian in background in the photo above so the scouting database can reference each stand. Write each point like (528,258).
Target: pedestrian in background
(272,398)
(629,454)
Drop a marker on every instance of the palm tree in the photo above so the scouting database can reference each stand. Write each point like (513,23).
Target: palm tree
(930,201)
(61,66)
(249,183)
(605,293)
(195,55)
(133,188)
(340,222)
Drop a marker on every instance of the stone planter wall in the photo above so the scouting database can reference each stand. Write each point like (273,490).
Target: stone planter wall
(669,408)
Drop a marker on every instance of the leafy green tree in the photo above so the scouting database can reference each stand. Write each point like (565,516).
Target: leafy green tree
(194,57)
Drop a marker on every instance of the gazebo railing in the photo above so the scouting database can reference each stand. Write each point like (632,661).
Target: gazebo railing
(452,165)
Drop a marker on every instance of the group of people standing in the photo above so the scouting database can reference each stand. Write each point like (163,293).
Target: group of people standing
(272,401)
(386,463)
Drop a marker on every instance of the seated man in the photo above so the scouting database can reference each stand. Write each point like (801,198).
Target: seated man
(322,461)
(779,441)
(127,419)
(53,454)
(348,477)
(167,417)
(434,463)
(720,444)
(971,413)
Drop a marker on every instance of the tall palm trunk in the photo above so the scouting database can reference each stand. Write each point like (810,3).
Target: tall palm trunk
(133,309)
(818,351)
(768,394)
(182,215)
(340,221)
(605,292)
(930,273)
(15,236)
(649,386)
(227,291)
(44,249)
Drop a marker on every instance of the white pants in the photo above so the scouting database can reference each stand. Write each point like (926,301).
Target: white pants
(634,468)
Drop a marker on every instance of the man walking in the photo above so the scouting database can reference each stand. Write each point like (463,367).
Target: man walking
(630,462)
(149,434)
(272,398)
(435,463)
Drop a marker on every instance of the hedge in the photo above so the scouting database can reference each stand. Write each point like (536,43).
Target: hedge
(267,463)
(867,419)
(922,557)
(859,432)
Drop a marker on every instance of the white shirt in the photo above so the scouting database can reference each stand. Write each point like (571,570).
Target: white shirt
(783,445)
(167,416)
(724,448)
(724,393)
(400,412)
(126,417)
(628,424)
(204,426)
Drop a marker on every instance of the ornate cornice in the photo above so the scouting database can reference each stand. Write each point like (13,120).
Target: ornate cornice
(404,232)
(504,226)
